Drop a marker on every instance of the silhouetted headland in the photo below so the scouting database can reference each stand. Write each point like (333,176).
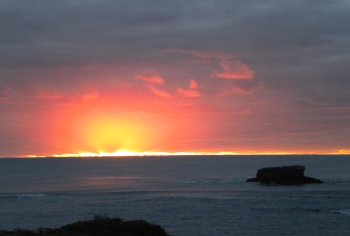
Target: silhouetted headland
(285,175)
(99,226)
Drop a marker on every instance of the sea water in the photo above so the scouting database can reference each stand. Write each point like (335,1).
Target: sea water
(188,196)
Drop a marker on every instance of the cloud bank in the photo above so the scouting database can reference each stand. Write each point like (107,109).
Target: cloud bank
(267,74)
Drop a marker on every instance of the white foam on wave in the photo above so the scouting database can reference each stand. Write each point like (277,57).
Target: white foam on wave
(30,195)
(34,195)
(345,212)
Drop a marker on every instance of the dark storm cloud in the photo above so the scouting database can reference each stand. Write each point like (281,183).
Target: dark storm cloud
(40,33)
(292,38)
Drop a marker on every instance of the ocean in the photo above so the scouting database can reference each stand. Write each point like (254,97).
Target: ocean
(188,196)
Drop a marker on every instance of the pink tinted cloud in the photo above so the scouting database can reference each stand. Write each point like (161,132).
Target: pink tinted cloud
(199,55)
(48,94)
(188,93)
(233,69)
(88,96)
(150,76)
(159,92)
(191,91)
(153,80)
(5,95)
(237,91)
(230,67)
(15,94)
(194,84)
(45,93)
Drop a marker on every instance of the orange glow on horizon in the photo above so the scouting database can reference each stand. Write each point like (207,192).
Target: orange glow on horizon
(135,123)
(108,126)
(124,153)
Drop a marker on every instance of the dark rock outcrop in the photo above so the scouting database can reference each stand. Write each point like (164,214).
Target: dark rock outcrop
(100,226)
(285,175)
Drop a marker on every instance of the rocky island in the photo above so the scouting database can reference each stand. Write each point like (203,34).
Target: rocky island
(99,226)
(285,175)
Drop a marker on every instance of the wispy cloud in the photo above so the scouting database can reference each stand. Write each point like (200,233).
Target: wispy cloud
(233,69)
(150,76)
(47,94)
(192,90)
(236,90)
(159,92)
(228,66)
(153,81)
(193,84)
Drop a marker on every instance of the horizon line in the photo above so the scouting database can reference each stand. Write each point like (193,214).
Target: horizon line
(126,154)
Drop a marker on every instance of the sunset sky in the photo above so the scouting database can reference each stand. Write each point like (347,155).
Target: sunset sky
(202,76)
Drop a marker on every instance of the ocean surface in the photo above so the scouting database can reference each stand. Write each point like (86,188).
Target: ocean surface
(188,196)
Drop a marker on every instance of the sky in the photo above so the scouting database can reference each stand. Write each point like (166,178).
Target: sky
(84,76)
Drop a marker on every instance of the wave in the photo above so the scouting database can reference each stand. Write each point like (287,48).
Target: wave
(36,195)
(345,212)
(305,209)
(28,195)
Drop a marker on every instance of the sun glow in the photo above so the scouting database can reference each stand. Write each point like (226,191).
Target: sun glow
(108,134)
(107,129)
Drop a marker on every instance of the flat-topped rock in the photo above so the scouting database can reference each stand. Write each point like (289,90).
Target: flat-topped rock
(284,175)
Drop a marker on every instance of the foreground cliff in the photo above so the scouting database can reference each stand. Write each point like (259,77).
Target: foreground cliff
(97,227)
(285,175)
